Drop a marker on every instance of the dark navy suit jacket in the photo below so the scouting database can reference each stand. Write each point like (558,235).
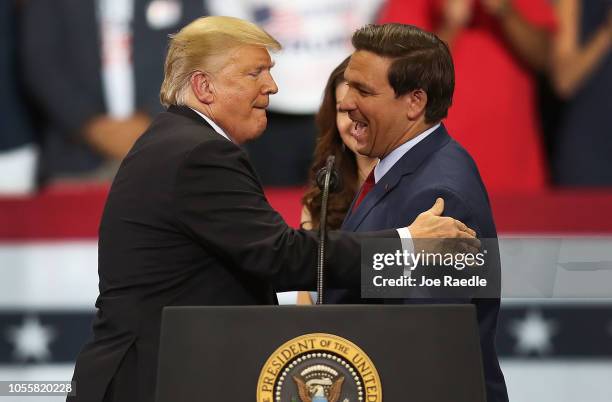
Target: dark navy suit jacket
(436,167)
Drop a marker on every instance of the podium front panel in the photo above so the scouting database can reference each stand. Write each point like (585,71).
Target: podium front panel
(418,353)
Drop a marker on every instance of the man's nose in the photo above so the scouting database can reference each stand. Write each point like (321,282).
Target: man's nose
(347,103)
(270,87)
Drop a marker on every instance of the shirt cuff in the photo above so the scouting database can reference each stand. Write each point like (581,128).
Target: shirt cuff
(407,246)
(406,239)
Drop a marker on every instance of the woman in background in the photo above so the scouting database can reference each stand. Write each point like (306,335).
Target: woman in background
(334,138)
(582,74)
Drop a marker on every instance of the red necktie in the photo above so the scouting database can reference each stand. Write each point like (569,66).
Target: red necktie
(365,189)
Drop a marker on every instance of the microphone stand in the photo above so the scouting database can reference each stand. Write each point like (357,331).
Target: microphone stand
(328,171)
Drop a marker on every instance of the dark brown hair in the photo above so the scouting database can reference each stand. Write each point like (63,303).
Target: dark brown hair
(421,61)
(329,142)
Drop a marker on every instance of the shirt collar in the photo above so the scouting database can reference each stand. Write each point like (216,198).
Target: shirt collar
(214,125)
(385,164)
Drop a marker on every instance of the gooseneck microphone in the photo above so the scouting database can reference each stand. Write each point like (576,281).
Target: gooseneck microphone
(335,181)
(328,181)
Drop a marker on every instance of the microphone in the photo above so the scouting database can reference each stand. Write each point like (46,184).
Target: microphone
(328,181)
(335,181)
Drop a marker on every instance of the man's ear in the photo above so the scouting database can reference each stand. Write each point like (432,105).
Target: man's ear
(416,102)
(201,87)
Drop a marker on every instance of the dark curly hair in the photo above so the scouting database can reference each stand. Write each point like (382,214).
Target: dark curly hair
(329,142)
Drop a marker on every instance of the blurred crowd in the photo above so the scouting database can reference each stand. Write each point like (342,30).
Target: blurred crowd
(533,97)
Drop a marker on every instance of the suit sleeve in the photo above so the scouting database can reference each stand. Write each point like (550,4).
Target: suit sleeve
(455,206)
(221,204)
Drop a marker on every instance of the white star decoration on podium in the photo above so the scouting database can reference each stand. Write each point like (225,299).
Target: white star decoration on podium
(533,333)
(31,339)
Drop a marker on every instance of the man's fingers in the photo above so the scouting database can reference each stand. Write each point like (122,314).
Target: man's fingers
(462,227)
(468,239)
(473,250)
(438,207)
(468,248)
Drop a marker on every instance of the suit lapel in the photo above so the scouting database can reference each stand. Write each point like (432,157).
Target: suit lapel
(406,165)
(354,218)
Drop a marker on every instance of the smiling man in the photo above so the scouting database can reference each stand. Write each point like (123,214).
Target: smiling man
(401,81)
(186,221)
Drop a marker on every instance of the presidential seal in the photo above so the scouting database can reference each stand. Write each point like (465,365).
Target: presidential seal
(319,368)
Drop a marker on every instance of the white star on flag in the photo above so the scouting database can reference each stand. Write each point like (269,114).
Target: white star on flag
(533,333)
(31,339)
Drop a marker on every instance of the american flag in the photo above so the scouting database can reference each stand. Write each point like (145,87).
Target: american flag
(285,24)
(551,349)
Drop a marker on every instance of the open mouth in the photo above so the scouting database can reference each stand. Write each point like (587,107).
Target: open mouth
(358,129)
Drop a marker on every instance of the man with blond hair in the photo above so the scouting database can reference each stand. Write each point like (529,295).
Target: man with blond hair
(187,222)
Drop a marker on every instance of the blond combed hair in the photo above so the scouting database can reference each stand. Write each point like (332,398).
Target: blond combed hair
(198,46)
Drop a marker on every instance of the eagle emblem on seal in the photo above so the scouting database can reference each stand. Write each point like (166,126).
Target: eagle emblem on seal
(319,383)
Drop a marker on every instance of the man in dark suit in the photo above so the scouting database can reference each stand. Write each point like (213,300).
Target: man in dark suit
(186,221)
(401,82)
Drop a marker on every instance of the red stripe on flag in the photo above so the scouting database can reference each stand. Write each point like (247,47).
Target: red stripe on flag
(58,212)
(549,212)
(73,212)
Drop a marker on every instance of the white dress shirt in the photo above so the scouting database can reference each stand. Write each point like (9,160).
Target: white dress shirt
(384,165)
(214,125)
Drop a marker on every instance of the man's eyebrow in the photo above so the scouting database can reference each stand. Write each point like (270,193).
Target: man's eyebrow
(265,66)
